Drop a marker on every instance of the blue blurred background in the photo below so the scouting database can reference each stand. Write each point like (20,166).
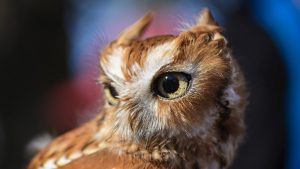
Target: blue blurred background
(49,60)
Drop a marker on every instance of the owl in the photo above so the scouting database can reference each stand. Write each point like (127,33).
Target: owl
(172,102)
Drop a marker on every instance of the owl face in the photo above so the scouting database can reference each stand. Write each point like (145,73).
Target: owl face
(166,86)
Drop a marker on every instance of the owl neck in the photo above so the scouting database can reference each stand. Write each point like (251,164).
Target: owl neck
(177,152)
(174,153)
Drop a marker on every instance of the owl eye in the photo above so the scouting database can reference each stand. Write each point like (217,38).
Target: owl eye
(172,85)
(111,95)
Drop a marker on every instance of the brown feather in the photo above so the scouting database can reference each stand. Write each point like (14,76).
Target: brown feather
(200,129)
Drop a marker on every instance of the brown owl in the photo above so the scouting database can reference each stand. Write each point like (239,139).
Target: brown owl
(172,102)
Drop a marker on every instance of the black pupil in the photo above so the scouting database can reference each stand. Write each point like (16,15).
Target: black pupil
(170,83)
(113,92)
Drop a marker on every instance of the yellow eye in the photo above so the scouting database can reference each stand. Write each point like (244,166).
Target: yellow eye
(111,95)
(172,85)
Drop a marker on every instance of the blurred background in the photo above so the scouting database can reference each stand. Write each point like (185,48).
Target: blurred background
(49,63)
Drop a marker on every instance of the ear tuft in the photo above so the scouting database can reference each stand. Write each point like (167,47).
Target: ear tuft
(136,30)
(206,18)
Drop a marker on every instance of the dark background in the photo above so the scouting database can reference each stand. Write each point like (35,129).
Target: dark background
(33,53)
(34,59)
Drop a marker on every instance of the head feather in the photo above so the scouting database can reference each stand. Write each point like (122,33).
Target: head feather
(136,30)
(206,18)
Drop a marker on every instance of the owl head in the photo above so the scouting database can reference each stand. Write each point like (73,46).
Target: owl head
(174,88)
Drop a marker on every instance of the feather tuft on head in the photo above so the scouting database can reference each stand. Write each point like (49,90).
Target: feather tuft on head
(136,30)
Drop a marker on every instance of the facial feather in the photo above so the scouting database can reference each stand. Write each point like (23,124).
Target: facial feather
(201,52)
(140,115)
(200,128)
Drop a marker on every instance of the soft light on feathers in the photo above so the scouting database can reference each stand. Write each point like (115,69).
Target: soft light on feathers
(200,129)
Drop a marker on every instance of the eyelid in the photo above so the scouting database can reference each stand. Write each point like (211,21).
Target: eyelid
(104,80)
(171,67)
(109,94)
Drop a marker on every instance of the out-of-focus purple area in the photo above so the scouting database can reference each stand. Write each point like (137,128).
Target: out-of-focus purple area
(49,53)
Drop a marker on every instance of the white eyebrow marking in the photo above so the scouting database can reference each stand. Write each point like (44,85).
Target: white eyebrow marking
(157,57)
(113,67)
